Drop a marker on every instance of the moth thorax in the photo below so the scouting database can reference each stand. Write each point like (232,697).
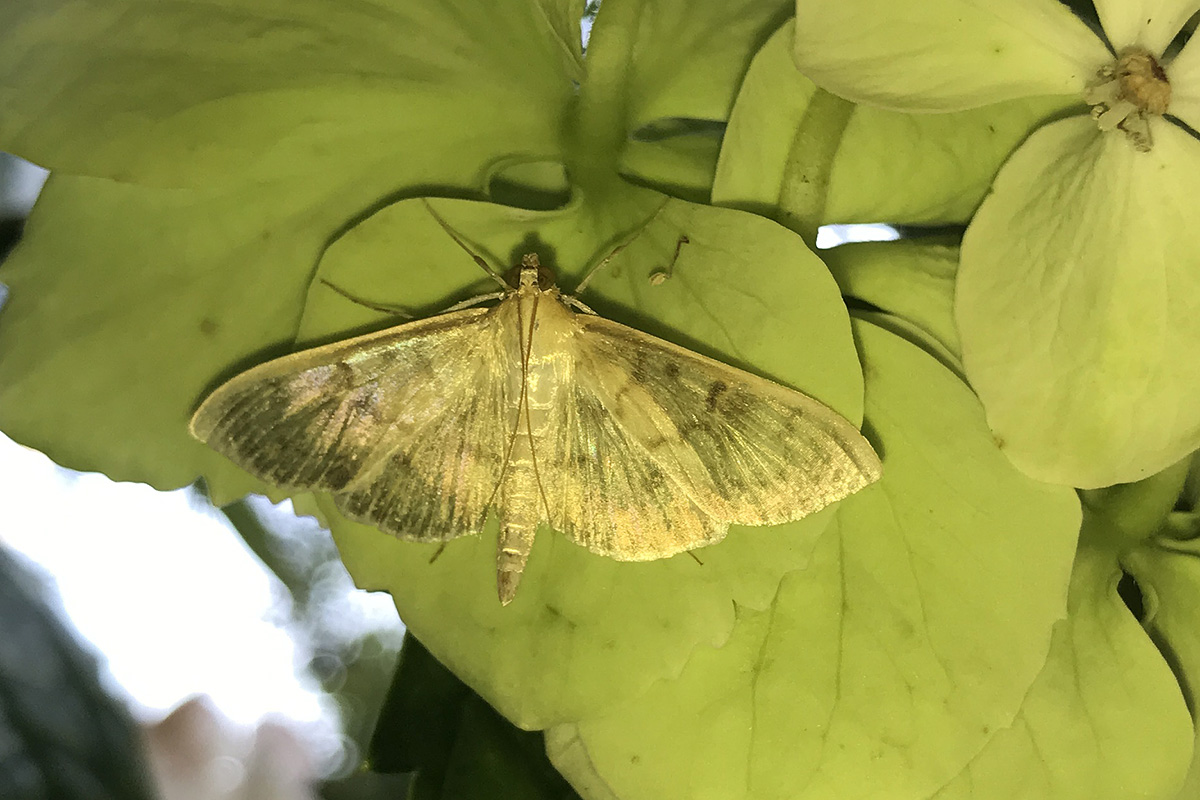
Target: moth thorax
(530,274)
(1126,92)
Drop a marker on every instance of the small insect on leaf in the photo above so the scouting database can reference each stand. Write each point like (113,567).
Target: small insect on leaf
(542,411)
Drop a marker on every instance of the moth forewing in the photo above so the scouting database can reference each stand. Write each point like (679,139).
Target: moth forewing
(400,425)
(630,446)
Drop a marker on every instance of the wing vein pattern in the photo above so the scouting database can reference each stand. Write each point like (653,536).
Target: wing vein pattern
(407,428)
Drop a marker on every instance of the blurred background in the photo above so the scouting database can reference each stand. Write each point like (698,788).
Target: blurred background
(235,641)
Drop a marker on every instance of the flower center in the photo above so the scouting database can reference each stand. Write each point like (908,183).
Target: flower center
(1127,92)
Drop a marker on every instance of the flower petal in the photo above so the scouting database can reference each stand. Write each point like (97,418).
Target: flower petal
(1078,304)
(919,169)
(1184,74)
(944,55)
(1149,23)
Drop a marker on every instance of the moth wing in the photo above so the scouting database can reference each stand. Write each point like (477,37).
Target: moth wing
(606,493)
(407,427)
(652,425)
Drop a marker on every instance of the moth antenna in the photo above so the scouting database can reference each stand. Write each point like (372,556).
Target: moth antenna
(486,267)
(512,439)
(525,401)
(604,261)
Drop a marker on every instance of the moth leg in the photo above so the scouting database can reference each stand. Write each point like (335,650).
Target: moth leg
(660,275)
(571,300)
(402,312)
(398,311)
(603,262)
(619,248)
(474,301)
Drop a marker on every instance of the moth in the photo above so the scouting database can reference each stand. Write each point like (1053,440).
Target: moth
(542,411)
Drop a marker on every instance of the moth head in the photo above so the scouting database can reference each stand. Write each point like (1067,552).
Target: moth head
(530,274)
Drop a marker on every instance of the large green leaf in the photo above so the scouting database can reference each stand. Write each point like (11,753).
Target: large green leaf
(910,279)
(889,661)
(585,631)
(181,92)
(1105,719)
(1168,570)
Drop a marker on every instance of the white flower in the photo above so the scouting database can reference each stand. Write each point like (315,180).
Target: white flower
(1078,294)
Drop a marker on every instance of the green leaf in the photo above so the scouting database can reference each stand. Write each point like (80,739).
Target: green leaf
(911,637)
(888,167)
(944,55)
(419,720)
(1104,719)
(174,92)
(910,279)
(585,631)
(160,293)
(287,122)
(1078,304)
(689,58)
(433,724)
(1168,571)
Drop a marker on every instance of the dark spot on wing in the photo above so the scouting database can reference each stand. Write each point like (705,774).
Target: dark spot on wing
(672,369)
(639,370)
(337,475)
(714,392)
(208,327)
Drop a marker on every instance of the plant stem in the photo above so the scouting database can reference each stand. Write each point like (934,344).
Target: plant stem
(810,162)
(600,122)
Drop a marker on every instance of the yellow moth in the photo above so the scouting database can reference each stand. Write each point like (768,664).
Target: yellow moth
(541,411)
